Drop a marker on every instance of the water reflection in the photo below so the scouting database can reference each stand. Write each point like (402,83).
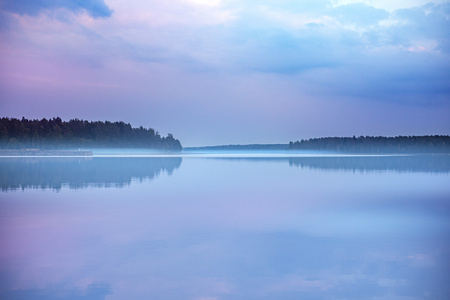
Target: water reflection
(94,291)
(403,163)
(230,229)
(408,163)
(76,173)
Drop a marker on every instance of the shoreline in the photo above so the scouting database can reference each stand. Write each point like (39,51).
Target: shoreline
(36,152)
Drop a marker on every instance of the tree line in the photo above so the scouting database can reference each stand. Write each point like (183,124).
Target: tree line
(58,134)
(380,144)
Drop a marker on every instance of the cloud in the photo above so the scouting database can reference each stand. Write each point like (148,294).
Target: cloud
(354,50)
(429,22)
(388,5)
(360,14)
(96,8)
(419,78)
(236,58)
(280,51)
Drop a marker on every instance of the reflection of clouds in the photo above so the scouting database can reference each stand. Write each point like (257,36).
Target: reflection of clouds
(215,288)
(422,260)
(415,260)
(360,223)
(93,291)
(232,229)
(389,282)
(328,284)
(301,283)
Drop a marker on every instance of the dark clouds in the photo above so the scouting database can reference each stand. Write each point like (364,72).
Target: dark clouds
(353,50)
(96,8)
(422,29)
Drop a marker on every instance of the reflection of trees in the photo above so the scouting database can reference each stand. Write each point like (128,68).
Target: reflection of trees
(54,173)
(439,163)
(413,163)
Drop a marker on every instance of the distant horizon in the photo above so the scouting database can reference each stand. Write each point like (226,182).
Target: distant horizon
(231,143)
(287,143)
(226,144)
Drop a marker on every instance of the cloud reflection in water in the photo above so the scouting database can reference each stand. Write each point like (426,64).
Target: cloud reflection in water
(232,229)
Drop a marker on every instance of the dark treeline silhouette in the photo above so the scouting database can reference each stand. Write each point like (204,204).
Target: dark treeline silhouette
(57,134)
(78,173)
(369,144)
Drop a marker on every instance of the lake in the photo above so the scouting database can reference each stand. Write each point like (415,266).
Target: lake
(225,226)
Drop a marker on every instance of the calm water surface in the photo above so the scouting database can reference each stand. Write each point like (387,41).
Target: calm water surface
(206,228)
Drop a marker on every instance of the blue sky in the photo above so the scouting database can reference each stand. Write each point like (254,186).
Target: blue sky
(231,72)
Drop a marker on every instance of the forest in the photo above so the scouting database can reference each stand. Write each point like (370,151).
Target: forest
(58,134)
(370,144)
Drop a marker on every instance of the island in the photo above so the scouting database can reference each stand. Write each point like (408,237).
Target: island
(346,145)
(376,144)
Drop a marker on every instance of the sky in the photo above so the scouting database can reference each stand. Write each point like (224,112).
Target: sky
(231,72)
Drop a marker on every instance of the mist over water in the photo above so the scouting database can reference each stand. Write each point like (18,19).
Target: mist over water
(225,226)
